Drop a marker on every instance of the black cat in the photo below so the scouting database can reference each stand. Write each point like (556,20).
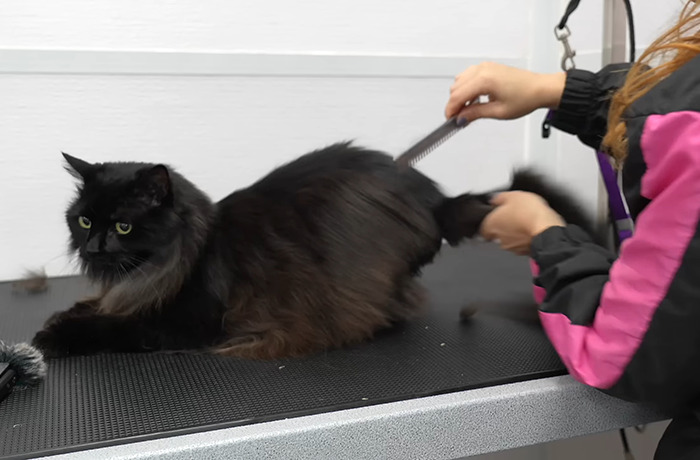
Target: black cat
(322,252)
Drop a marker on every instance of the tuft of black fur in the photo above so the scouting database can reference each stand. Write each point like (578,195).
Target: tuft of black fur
(461,217)
(322,252)
(557,196)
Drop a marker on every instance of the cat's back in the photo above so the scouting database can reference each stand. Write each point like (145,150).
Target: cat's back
(338,196)
(333,170)
(337,162)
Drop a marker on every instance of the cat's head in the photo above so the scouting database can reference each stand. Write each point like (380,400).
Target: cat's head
(123,217)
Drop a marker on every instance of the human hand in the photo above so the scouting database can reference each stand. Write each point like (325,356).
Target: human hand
(517,219)
(512,92)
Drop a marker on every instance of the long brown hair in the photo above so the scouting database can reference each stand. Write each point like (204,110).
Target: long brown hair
(675,47)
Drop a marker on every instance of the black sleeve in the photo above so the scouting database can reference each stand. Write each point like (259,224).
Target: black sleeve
(585,103)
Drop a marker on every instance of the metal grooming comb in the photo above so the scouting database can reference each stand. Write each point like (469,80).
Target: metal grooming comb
(429,143)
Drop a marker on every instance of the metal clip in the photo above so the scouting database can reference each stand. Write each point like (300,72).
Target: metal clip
(563,36)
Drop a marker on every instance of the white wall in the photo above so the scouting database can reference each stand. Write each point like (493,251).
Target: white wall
(225,91)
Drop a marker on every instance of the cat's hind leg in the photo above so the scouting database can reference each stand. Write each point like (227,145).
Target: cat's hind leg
(409,300)
(354,320)
(268,345)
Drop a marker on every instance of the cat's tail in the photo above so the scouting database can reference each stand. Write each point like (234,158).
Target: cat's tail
(460,217)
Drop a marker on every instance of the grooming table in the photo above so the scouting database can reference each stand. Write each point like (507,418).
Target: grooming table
(436,388)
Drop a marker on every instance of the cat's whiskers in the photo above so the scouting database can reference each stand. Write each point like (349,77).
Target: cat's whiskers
(69,268)
(71,262)
(122,272)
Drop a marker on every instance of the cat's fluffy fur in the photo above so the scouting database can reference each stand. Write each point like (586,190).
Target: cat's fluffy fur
(322,252)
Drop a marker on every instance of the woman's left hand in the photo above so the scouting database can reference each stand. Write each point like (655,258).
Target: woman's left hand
(517,219)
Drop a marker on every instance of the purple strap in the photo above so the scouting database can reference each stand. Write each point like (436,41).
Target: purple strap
(623,221)
(624,225)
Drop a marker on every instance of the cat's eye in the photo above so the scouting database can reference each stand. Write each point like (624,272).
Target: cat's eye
(84,222)
(123,228)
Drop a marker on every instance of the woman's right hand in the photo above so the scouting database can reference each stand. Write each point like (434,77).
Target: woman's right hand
(512,92)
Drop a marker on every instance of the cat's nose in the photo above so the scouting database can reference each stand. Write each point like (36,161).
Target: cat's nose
(93,245)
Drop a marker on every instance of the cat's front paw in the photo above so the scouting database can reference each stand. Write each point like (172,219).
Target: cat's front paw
(50,344)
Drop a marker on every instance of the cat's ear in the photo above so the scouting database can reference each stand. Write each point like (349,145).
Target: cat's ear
(155,187)
(76,167)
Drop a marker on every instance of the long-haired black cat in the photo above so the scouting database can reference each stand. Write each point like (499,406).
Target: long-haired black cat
(322,252)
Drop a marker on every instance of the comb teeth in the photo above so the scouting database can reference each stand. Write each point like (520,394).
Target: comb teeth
(431,147)
(429,143)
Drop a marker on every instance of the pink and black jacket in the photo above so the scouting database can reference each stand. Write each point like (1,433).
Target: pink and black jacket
(629,323)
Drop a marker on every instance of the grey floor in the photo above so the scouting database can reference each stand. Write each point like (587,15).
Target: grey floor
(603,446)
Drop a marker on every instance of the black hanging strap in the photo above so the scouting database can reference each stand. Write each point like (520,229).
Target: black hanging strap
(571,7)
(630,26)
(568,57)
(573,4)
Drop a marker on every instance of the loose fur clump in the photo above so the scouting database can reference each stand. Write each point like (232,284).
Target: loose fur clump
(320,253)
(33,282)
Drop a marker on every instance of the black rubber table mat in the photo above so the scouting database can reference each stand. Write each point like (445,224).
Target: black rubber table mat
(95,401)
